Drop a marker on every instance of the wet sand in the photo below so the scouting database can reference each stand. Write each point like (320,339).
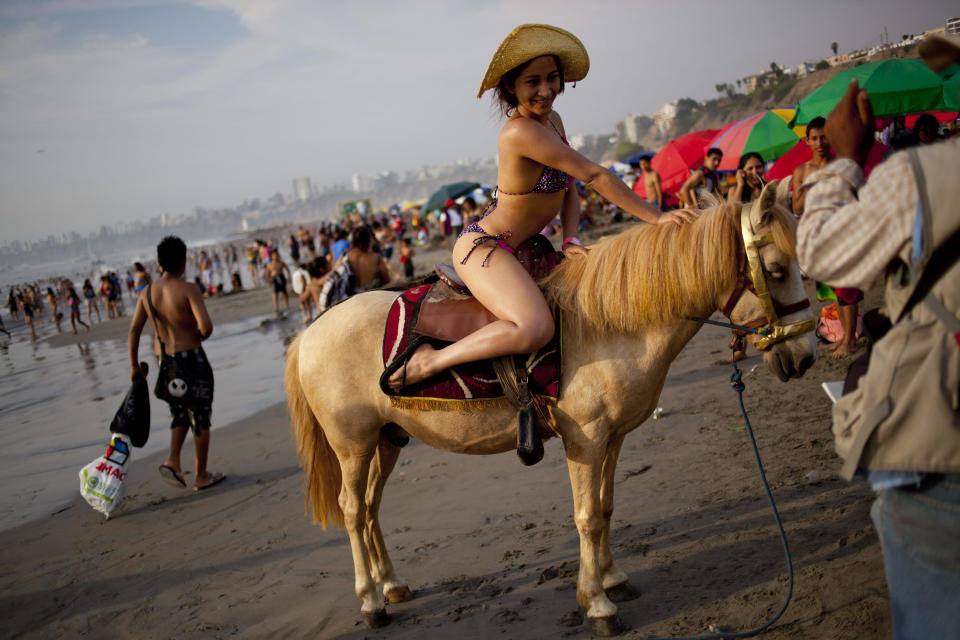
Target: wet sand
(489,547)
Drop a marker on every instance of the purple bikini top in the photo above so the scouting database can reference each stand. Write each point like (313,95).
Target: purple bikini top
(551,180)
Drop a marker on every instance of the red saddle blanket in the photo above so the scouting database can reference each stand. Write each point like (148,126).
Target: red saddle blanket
(467,386)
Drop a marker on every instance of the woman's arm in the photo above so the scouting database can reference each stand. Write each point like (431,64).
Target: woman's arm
(570,212)
(532,140)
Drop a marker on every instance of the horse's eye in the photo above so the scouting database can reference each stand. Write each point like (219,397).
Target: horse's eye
(776,272)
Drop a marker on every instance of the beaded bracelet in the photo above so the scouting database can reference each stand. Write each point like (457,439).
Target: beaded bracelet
(570,240)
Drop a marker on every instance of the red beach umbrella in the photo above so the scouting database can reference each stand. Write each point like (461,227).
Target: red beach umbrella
(910,120)
(800,153)
(675,160)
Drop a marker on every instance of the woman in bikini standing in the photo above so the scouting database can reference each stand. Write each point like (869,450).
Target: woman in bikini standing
(55,316)
(535,175)
(90,295)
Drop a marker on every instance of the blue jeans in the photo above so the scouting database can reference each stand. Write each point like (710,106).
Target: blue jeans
(919,531)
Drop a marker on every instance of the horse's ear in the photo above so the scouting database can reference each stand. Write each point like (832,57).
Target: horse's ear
(760,212)
(783,192)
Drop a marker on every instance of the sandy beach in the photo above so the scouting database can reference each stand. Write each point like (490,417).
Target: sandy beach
(488,546)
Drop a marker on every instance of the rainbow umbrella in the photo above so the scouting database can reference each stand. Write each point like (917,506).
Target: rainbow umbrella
(675,160)
(896,86)
(766,133)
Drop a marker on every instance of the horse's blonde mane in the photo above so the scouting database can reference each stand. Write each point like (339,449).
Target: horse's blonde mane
(654,274)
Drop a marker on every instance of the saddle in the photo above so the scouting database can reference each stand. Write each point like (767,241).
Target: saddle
(450,311)
(442,310)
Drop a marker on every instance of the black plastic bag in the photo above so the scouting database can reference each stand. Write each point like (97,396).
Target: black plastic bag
(133,416)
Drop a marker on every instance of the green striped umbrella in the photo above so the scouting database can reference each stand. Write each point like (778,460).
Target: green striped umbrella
(896,86)
(951,93)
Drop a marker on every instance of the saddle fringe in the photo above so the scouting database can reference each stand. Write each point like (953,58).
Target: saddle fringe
(544,405)
(447,404)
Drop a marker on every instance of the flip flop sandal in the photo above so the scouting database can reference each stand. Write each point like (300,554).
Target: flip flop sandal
(172,477)
(215,479)
(400,361)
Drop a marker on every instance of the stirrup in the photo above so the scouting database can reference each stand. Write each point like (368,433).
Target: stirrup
(529,444)
(514,381)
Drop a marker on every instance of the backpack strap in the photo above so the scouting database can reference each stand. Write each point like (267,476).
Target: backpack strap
(941,261)
(153,316)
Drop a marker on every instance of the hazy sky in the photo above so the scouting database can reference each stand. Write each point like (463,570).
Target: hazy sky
(125,109)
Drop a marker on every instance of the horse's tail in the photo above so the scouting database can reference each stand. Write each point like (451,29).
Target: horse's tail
(321,481)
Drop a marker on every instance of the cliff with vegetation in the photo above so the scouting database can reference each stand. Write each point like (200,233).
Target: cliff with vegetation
(784,91)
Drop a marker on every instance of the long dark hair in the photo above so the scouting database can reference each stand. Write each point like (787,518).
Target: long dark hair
(504,99)
(746,158)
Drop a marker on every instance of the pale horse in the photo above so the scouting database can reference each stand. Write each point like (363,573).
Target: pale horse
(625,309)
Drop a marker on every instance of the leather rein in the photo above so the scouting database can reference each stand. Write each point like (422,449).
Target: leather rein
(770,329)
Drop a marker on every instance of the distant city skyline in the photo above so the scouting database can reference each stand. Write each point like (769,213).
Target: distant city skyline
(129,109)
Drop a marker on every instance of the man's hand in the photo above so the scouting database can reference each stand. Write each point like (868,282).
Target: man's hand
(850,125)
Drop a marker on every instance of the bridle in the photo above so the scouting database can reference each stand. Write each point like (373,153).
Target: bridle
(750,278)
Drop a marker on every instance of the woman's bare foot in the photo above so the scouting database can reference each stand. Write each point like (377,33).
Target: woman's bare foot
(843,348)
(417,368)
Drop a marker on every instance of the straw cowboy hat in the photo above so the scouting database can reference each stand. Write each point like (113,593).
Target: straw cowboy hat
(939,52)
(529,41)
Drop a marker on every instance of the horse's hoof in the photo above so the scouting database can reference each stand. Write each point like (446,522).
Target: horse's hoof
(623,592)
(376,619)
(399,594)
(606,627)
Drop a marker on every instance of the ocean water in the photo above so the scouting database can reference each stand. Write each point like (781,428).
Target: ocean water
(15,273)
(56,404)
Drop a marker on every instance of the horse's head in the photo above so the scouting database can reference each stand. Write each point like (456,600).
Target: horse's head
(769,294)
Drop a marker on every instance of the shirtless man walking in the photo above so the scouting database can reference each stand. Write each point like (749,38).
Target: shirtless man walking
(278,272)
(182,324)
(651,182)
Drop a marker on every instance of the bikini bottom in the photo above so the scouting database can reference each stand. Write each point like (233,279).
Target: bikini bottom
(499,238)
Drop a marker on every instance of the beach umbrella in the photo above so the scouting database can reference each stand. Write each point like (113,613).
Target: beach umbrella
(766,133)
(448,192)
(675,160)
(951,92)
(634,160)
(800,153)
(911,119)
(896,86)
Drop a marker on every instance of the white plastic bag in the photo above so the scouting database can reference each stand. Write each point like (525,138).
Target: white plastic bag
(102,481)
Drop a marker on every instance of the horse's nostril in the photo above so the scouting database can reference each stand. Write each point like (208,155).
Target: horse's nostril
(807,362)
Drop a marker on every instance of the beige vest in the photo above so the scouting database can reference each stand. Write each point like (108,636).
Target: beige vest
(905,413)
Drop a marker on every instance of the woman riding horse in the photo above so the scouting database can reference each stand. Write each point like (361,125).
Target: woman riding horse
(535,180)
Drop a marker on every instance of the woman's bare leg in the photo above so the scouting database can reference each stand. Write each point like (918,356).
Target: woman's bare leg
(505,288)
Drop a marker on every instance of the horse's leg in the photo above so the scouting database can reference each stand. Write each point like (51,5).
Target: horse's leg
(585,463)
(354,468)
(614,581)
(394,589)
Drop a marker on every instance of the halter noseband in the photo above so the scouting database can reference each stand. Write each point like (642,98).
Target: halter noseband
(774,330)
